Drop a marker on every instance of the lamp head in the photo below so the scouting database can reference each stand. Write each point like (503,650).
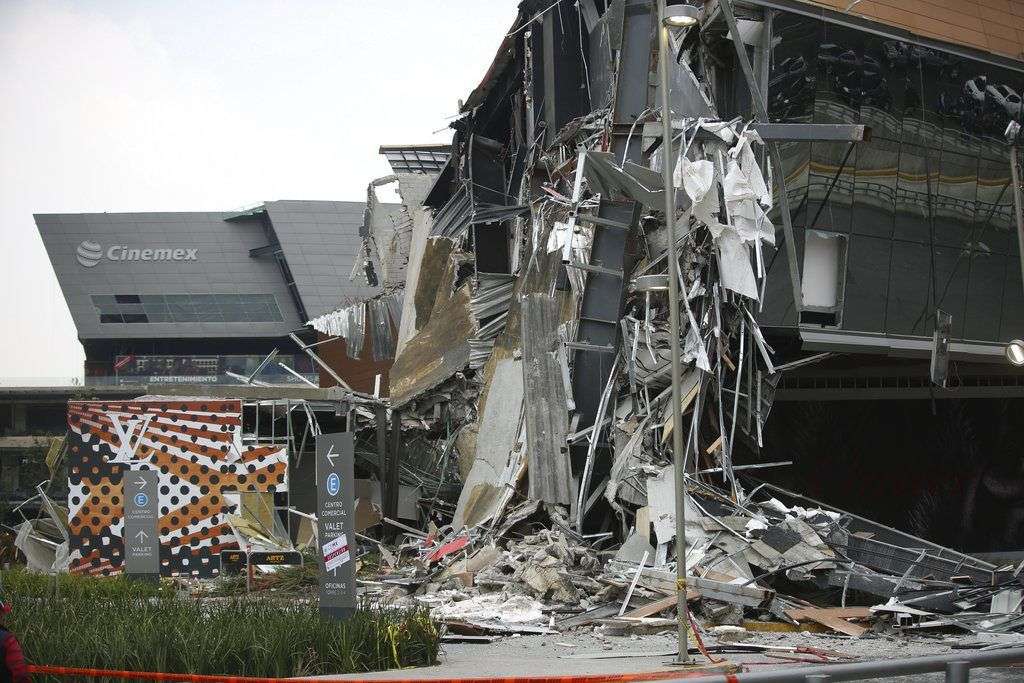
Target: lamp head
(680,15)
(1015,352)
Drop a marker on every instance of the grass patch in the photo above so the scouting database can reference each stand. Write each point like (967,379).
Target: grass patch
(110,628)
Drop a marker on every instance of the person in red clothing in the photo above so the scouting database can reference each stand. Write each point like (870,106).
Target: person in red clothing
(12,669)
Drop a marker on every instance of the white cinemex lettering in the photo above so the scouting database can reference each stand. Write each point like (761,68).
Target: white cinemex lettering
(91,253)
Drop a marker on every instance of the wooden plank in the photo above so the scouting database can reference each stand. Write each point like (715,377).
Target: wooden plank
(749,596)
(714,446)
(653,607)
(659,605)
(826,618)
(782,627)
(799,613)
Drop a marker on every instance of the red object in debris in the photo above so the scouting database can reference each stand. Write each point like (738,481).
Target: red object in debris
(448,548)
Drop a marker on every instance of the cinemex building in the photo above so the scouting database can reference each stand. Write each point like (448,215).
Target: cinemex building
(201,296)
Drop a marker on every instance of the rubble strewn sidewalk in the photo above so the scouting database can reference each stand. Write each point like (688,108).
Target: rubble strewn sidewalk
(760,567)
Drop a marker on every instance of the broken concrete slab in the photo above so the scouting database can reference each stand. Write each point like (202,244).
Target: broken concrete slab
(496,439)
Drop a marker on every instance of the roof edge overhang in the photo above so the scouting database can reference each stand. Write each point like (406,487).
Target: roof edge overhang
(886,30)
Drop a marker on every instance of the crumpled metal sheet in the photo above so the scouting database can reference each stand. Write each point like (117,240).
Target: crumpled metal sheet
(546,412)
(633,181)
(439,350)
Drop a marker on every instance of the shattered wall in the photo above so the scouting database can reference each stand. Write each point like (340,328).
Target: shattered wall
(359,370)
(196,446)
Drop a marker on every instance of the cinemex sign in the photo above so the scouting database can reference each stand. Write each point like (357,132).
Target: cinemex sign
(90,254)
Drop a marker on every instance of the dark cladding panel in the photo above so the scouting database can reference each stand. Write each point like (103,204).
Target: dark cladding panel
(909,301)
(794,70)
(829,177)
(951,271)
(1012,326)
(796,162)
(874,194)
(881,102)
(867,283)
(995,227)
(843,70)
(985,294)
(565,82)
(487,172)
(914,193)
(955,198)
(779,310)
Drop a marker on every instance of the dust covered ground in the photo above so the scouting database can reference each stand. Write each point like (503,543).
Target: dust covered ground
(569,654)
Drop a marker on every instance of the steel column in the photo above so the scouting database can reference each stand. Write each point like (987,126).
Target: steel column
(773,150)
(1018,206)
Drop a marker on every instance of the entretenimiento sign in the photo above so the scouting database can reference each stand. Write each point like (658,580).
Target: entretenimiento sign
(91,253)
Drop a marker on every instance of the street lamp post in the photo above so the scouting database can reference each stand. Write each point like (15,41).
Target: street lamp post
(675,15)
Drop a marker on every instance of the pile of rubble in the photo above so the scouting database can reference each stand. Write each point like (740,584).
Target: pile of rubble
(760,565)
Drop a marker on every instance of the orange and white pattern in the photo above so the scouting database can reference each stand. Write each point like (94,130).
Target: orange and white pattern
(196,447)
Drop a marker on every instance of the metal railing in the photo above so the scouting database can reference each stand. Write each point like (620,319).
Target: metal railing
(957,668)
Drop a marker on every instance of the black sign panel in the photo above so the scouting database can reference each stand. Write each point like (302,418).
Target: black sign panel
(141,512)
(234,561)
(335,493)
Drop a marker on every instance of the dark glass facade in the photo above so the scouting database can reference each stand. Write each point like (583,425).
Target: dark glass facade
(186,308)
(926,204)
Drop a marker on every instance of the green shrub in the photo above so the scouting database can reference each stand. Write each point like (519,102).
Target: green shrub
(102,628)
(21,582)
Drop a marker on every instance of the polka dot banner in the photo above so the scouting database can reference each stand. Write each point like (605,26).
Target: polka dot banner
(196,448)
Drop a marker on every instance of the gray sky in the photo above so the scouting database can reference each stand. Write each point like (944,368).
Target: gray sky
(191,105)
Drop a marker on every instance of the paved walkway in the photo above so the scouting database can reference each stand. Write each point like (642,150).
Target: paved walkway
(570,654)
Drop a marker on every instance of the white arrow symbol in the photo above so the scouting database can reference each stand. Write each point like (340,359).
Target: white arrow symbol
(331,455)
(141,483)
(141,536)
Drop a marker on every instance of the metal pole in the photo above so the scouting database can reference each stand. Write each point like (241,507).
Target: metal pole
(667,157)
(1018,207)
(958,672)
(391,497)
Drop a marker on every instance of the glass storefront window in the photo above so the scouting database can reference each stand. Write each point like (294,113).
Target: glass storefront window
(926,201)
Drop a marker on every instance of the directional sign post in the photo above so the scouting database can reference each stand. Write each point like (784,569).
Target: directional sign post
(141,515)
(335,493)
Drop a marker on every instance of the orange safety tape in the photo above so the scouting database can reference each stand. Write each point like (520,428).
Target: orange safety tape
(206,678)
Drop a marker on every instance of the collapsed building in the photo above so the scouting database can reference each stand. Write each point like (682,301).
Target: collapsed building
(848,254)
(849,265)
(876,258)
